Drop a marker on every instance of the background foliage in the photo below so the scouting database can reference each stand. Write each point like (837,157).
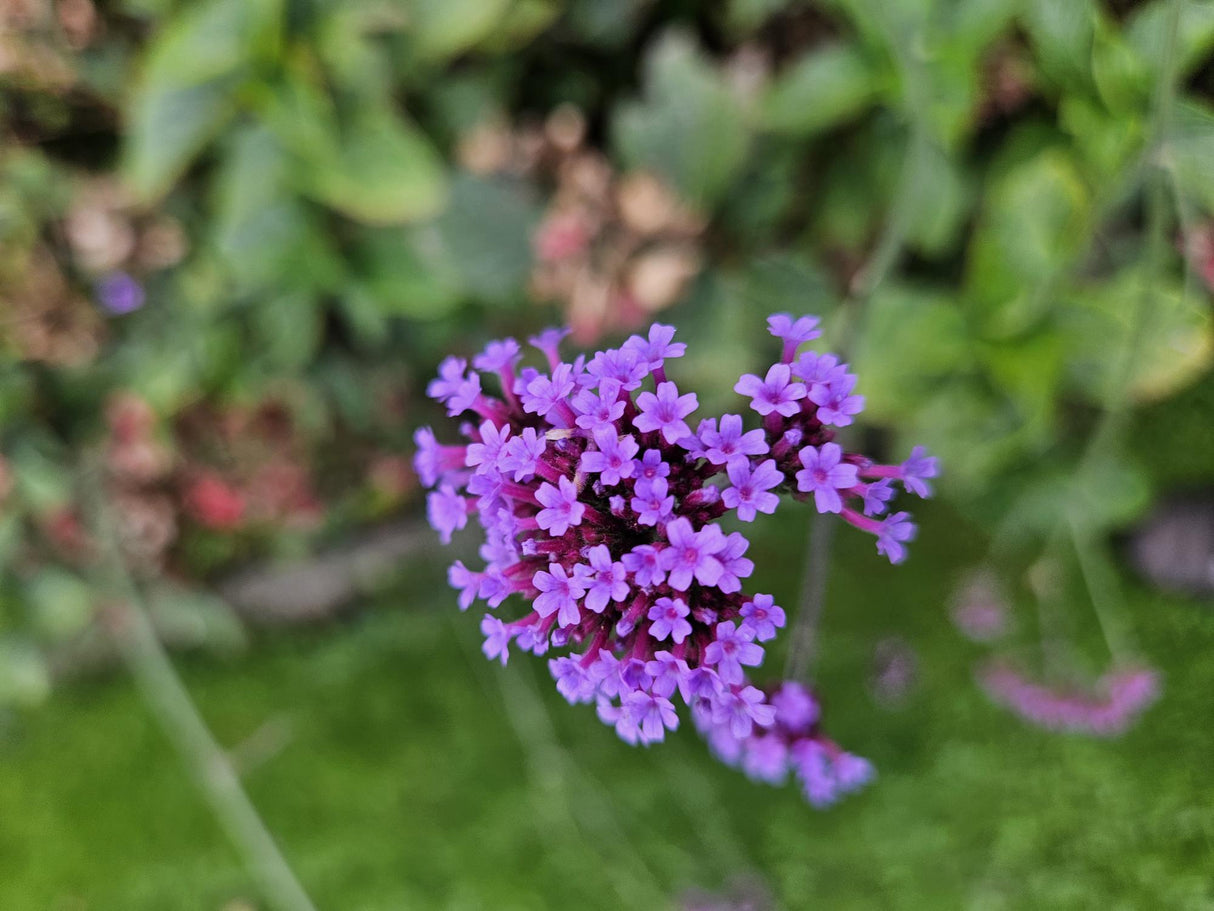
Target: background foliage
(236,236)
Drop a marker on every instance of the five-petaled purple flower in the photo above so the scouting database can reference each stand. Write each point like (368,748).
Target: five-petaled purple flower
(665,412)
(824,475)
(776,392)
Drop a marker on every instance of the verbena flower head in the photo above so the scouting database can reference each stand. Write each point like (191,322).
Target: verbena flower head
(601,509)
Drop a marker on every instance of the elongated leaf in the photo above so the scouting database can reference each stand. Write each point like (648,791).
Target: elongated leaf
(827,86)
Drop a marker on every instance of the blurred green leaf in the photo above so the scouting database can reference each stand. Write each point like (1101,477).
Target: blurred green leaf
(521,24)
(1122,77)
(265,234)
(1028,369)
(1034,222)
(439,29)
(409,272)
(1189,151)
(1062,35)
(828,85)
(289,329)
(168,127)
(1106,141)
(25,680)
(43,484)
(378,168)
(690,129)
(1175,342)
(941,199)
(486,233)
(911,338)
(1146,32)
(61,602)
(187,87)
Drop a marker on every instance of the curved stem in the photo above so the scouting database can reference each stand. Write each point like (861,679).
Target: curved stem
(183,724)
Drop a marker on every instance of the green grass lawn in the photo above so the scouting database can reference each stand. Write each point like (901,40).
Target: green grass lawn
(414,774)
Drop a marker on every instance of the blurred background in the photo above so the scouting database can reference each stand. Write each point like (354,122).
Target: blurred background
(237,237)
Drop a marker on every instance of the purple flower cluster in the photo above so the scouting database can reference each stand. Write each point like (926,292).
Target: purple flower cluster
(600,506)
(1107,710)
(792,743)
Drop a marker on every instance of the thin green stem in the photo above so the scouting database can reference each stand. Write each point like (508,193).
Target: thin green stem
(183,724)
(1104,593)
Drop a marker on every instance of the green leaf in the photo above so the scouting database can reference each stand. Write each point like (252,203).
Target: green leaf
(187,87)
(378,169)
(289,329)
(690,129)
(1034,223)
(440,29)
(265,234)
(486,233)
(61,603)
(1174,343)
(1189,151)
(1062,34)
(1028,369)
(25,680)
(1122,77)
(941,200)
(1147,32)
(912,339)
(409,272)
(827,86)
(168,127)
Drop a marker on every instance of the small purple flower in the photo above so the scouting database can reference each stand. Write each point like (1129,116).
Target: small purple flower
(549,342)
(774,393)
(665,412)
(836,404)
(743,710)
(602,410)
(658,347)
(613,459)
(652,504)
(562,508)
(691,553)
(876,495)
(731,649)
(544,395)
(559,594)
(793,333)
(451,376)
(814,368)
(795,708)
(489,450)
(621,366)
(728,444)
(447,511)
(750,490)
(497,638)
(645,563)
(734,566)
(668,619)
(766,759)
(667,672)
(464,579)
(651,466)
(824,475)
(498,356)
(572,680)
(895,531)
(762,616)
(522,454)
(607,580)
(119,294)
(652,715)
(917,469)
